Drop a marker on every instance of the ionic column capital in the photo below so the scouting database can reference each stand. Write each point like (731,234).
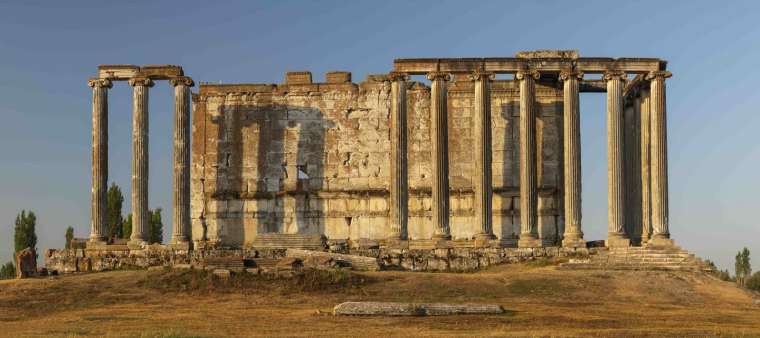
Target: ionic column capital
(614,75)
(101,83)
(524,74)
(182,80)
(398,76)
(481,74)
(663,74)
(141,81)
(570,74)
(438,76)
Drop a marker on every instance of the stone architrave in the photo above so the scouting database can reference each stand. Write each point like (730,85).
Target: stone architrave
(440,156)
(483,186)
(616,236)
(98,231)
(573,236)
(399,194)
(181,174)
(659,159)
(139,161)
(528,175)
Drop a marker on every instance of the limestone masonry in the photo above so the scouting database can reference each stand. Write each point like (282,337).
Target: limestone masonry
(435,154)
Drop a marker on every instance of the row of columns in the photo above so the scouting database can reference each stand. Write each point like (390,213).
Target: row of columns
(140,158)
(653,146)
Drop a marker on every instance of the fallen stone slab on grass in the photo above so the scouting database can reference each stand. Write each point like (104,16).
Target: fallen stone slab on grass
(413,309)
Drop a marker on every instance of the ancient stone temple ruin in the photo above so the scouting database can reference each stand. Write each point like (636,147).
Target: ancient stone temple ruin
(435,154)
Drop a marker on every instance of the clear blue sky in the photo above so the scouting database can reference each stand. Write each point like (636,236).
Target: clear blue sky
(47,52)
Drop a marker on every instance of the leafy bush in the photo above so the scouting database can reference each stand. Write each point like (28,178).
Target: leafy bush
(8,271)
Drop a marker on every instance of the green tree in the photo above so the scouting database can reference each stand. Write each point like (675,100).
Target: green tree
(156,234)
(753,282)
(114,219)
(7,271)
(69,237)
(126,227)
(743,267)
(24,234)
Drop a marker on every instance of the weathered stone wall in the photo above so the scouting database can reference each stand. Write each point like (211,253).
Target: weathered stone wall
(451,259)
(313,158)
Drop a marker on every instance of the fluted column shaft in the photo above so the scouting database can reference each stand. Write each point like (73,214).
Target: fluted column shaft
(528,175)
(181,174)
(659,156)
(615,154)
(139,159)
(573,236)
(440,156)
(646,216)
(482,179)
(398,189)
(98,231)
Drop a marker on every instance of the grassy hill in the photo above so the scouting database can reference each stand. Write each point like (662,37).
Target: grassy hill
(540,300)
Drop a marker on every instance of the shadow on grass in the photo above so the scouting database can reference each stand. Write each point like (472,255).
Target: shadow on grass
(204,282)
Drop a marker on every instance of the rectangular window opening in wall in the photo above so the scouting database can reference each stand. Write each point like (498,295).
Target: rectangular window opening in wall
(302,175)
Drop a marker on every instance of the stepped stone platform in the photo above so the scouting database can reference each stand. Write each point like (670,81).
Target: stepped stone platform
(355,262)
(290,241)
(639,258)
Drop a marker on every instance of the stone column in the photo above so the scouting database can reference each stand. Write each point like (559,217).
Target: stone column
(181,175)
(98,226)
(528,176)
(646,217)
(659,159)
(483,188)
(615,154)
(139,160)
(440,156)
(573,236)
(399,194)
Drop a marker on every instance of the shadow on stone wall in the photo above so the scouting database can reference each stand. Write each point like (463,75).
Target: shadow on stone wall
(273,155)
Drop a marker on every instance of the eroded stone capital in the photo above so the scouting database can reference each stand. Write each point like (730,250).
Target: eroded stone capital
(102,83)
(398,76)
(141,81)
(614,74)
(481,74)
(524,74)
(664,74)
(438,76)
(568,74)
(181,80)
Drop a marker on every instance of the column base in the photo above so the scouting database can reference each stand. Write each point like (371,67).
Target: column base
(573,242)
(396,243)
(96,244)
(180,245)
(528,241)
(136,244)
(660,242)
(617,241)
(484,240)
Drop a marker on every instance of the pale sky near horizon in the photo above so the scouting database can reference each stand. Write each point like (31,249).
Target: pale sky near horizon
(48,50)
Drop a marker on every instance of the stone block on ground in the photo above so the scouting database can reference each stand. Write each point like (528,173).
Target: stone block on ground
(26,263)
(413,309)
(222,273)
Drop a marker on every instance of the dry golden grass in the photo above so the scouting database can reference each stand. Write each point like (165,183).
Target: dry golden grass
(541,301)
